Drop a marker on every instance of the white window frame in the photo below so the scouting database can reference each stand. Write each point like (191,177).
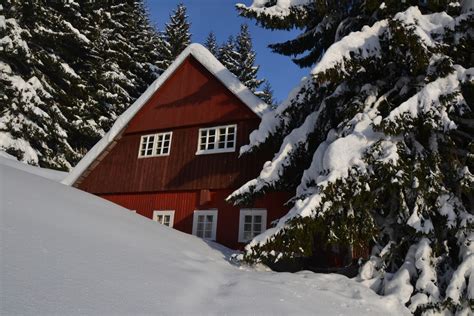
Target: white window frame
(252,212)
(164,213)
(214,222)
(155,148)
(216,150)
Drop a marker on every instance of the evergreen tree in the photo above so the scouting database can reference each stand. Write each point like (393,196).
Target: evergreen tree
(238,56)
(68,71)
(247,71)
(266,94)
(376,144)
(228,56)
(211,44)
(175,38)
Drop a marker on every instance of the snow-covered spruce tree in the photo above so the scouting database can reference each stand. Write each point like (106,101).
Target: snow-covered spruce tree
(125,53)
(68,71)
(35,57)
(228,55)
(377,145)
(175,38)
(267,94)
(211,44)
(247,70)
(238,56)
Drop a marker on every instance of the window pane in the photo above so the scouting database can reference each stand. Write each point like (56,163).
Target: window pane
(257,228)
(230,144)
(257,218)
(222,131)
(247,227)
(207,234)
(210,146)
(211,132)
(247,235)
(210,218)
(230,137)
(248,219)
(200,233)
(231,130)
(208,227)
(221,145)
(200,218)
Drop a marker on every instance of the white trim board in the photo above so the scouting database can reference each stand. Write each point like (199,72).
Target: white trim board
(210,62)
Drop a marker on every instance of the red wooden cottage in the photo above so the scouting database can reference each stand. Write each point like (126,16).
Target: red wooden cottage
(173,156)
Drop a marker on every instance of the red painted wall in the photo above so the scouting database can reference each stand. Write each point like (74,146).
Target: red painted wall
(185,203)
(190,99)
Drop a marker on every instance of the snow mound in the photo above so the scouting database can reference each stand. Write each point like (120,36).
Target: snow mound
(65,251)
(12,162)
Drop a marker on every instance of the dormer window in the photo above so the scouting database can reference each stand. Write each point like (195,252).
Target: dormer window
(154,145)
(219,139)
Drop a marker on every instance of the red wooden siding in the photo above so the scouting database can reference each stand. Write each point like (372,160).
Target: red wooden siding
(191,96)
(185,203)
(190,99)
(122,171)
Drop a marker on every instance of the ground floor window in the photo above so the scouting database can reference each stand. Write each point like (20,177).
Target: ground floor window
(164,217)
(252,222)
(205,224)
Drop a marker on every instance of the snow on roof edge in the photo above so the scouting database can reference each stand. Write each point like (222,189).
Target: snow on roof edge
(209,62)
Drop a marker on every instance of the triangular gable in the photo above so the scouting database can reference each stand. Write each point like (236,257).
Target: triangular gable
(203,56)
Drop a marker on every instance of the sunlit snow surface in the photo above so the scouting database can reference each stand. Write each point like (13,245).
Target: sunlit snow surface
(64,251)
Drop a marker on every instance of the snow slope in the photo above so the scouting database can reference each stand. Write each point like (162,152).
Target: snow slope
(64,251)
(12,162)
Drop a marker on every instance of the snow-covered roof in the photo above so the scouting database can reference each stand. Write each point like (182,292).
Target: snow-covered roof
(210,62)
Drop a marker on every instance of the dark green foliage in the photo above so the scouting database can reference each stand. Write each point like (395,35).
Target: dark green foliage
(68,72)
(405,103)
(175,38)
(211,44)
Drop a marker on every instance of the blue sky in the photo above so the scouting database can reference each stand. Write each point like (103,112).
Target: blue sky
(221,17)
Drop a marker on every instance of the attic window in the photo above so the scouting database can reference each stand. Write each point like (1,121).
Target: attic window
(219,139)
(154,145)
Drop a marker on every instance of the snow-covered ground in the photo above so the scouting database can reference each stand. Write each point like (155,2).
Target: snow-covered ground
(66,252)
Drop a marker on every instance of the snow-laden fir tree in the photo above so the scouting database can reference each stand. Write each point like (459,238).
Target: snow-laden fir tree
(67,71)
(267,94)
(238,56)
(211,44)
(247,69)
(377,144)
(175,37)
(228,55)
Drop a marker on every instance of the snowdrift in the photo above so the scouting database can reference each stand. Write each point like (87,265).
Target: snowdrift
(64,251)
